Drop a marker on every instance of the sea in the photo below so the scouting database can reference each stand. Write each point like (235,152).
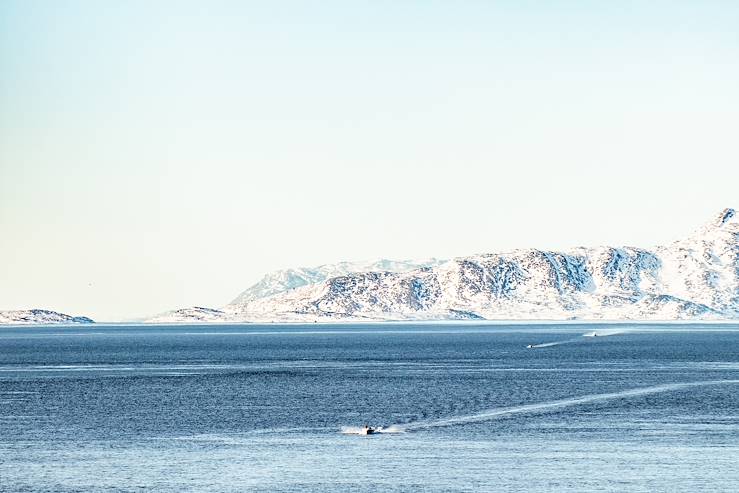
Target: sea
(458,407)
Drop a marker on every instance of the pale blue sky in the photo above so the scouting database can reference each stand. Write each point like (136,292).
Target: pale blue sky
(155,155)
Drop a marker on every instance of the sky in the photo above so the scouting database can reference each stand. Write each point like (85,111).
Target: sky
(157,155)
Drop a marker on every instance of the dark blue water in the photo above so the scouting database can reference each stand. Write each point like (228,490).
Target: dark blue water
(463,408)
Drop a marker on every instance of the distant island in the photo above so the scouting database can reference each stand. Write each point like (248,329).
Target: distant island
(695,278)
(38,316)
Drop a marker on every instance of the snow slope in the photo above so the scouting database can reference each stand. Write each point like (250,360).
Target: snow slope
(693,278)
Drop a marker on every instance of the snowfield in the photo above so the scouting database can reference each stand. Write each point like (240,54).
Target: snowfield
(696,278)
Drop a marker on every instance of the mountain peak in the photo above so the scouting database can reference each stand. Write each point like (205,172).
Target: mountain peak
(723,218)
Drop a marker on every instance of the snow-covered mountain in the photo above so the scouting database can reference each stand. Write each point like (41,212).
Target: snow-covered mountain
(693,278)
(286,280)
(37,316)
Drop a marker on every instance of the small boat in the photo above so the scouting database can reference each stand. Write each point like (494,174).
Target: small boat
(367,430)
(530,346)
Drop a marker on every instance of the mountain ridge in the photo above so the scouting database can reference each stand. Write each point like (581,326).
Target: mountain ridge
(696,277)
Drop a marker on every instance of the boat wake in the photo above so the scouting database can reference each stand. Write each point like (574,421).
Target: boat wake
(494,413)
(606,332)
(359,430)
(595,333)
(549,344)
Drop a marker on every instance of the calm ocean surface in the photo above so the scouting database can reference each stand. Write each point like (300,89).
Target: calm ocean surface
(464,408)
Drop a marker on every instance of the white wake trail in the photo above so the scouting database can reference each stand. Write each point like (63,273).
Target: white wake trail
(358,430)
(607,332)
(595,333)
(527,408)
(550,344)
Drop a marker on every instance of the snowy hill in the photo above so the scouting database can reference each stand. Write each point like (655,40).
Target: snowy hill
(283,281)
(37,316)
(193,314)
(288,279)
(693,278)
